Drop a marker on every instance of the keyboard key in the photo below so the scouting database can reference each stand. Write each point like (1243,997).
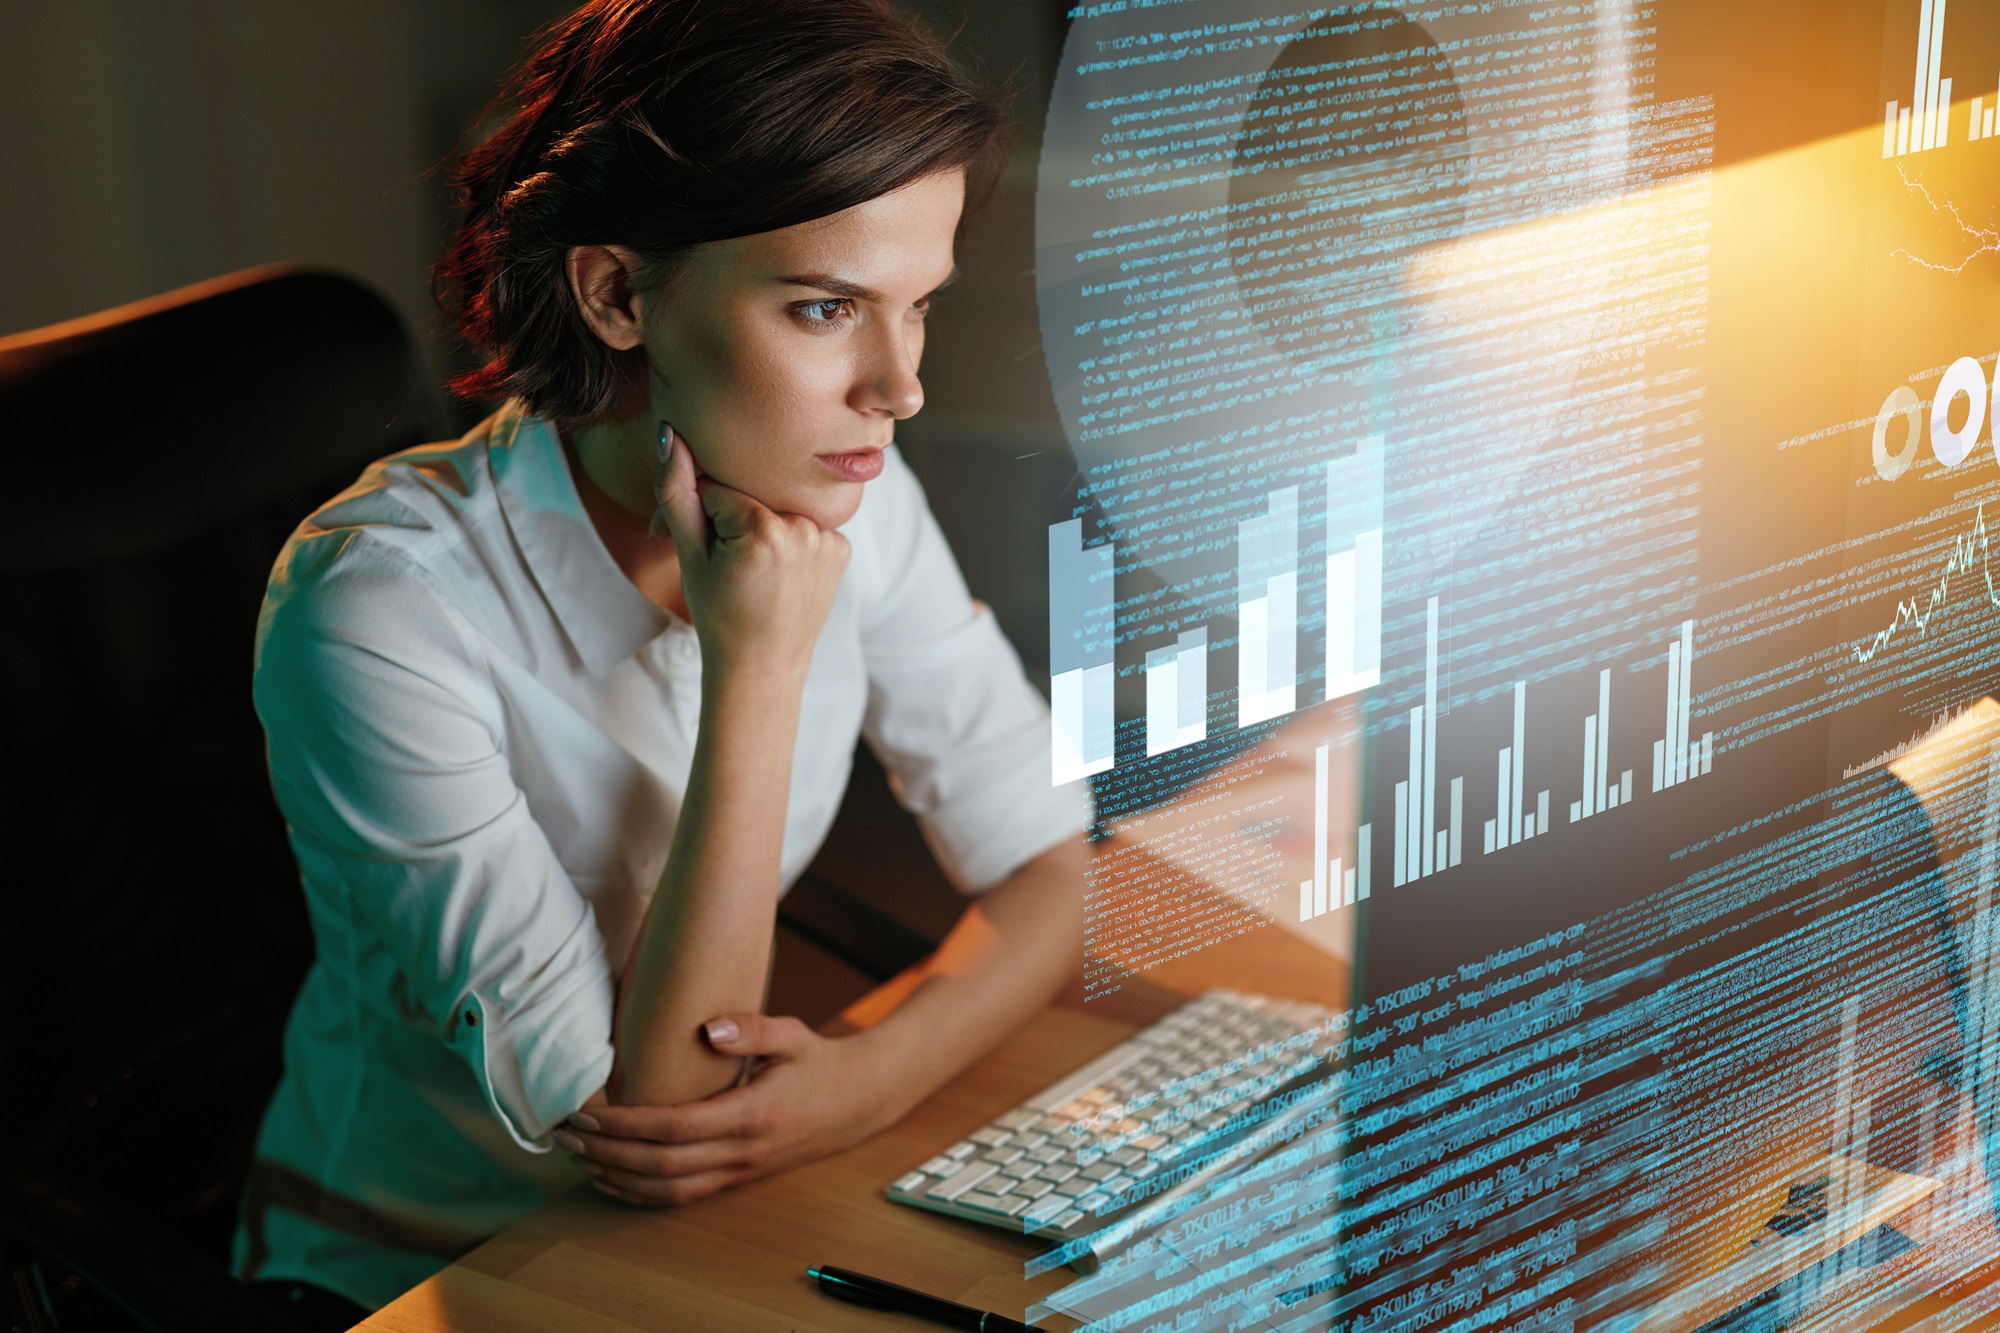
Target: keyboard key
(992,1203)
(1056,1173)
(939,1166)
(1044,1212)
(1002,1156)
(913,1182)
(1150,1142)
(1029,1142)
(1021,1170)
(1018,1118)
(1091,1203)
(1125,1157)
(958,1152)
(1032,1189)
(947,1190)
(1070,1218)
(1101,1171)
(989,1137)
(1072,1188)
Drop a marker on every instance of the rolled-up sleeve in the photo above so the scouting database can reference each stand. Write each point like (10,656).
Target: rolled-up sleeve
(951,714)
(384,738)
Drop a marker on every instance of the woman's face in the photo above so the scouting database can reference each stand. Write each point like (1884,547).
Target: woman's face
(785,359)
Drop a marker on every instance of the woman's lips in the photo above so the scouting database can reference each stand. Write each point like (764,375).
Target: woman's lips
(860,465)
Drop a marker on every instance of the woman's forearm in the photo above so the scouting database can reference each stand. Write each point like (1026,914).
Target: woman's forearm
(1008,956)
(706,940)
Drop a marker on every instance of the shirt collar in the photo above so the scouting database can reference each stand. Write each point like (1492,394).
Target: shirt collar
(606,618)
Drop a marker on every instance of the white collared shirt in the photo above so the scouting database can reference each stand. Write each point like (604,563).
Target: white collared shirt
(480,734)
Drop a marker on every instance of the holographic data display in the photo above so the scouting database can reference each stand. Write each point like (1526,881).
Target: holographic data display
(1532,545)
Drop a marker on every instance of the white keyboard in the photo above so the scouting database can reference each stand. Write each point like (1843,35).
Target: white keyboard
(1058,1164)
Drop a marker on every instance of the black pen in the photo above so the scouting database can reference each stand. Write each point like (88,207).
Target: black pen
(865,1290)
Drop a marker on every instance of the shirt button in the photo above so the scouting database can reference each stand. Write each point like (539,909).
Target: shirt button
(472,1018)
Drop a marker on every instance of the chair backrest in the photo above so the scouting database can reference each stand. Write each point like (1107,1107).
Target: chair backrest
(152,932)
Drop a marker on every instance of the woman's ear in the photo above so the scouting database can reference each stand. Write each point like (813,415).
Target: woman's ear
(604,279)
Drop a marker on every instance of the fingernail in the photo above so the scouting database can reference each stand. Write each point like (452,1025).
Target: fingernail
(666,442)
(568,1142)
(720,1031)
(585,1122)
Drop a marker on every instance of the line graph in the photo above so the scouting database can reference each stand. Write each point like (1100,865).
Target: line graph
(1968,550)
(1984,240)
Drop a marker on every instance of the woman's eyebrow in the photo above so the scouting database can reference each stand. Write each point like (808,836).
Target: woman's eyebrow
(853,291)
(833,286)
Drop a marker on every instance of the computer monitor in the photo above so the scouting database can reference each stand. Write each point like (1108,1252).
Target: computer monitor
(1571,426)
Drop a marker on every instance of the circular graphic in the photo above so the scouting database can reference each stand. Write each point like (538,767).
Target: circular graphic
(1966,379)
(1904,403)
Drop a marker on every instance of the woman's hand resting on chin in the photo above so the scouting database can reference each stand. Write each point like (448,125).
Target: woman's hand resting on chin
(758,583)
(810,1096)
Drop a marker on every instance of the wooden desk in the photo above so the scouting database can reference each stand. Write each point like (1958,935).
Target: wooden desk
(586,1264)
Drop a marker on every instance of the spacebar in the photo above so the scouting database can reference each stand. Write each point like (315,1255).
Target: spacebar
(1105,1065)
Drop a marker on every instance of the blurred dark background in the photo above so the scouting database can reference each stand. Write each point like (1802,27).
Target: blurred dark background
(153,931)
(156,144)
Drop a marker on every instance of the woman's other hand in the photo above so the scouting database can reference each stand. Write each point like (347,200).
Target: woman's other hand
(758,583)
(810,1097)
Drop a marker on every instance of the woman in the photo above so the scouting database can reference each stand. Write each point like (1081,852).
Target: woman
(557,711)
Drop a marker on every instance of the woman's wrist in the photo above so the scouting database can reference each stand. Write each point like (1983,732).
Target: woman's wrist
(883,1064)
(760,677)
(753,698)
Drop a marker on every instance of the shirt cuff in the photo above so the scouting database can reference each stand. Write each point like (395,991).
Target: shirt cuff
(539,1066)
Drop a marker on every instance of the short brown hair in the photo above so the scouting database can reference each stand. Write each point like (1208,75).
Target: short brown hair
(665,124)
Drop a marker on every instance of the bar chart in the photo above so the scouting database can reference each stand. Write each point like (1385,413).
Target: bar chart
(1421,847)
(1924,123)
(1267,578)
(1353,579)
(1082,628)
(1677,756)
(1177,693)
(1980,121)
(1600,793)
(1334,884)
(1512,822)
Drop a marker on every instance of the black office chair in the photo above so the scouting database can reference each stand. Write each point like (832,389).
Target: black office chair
(155,458)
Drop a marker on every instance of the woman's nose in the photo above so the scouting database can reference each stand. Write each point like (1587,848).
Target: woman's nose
(889,383)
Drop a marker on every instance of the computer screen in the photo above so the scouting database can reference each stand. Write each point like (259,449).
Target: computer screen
(1529,544)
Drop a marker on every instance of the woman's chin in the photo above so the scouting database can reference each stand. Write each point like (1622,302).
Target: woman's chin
(834,509)
(828,506)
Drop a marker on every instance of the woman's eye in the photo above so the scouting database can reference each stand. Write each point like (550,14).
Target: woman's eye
(826,312)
